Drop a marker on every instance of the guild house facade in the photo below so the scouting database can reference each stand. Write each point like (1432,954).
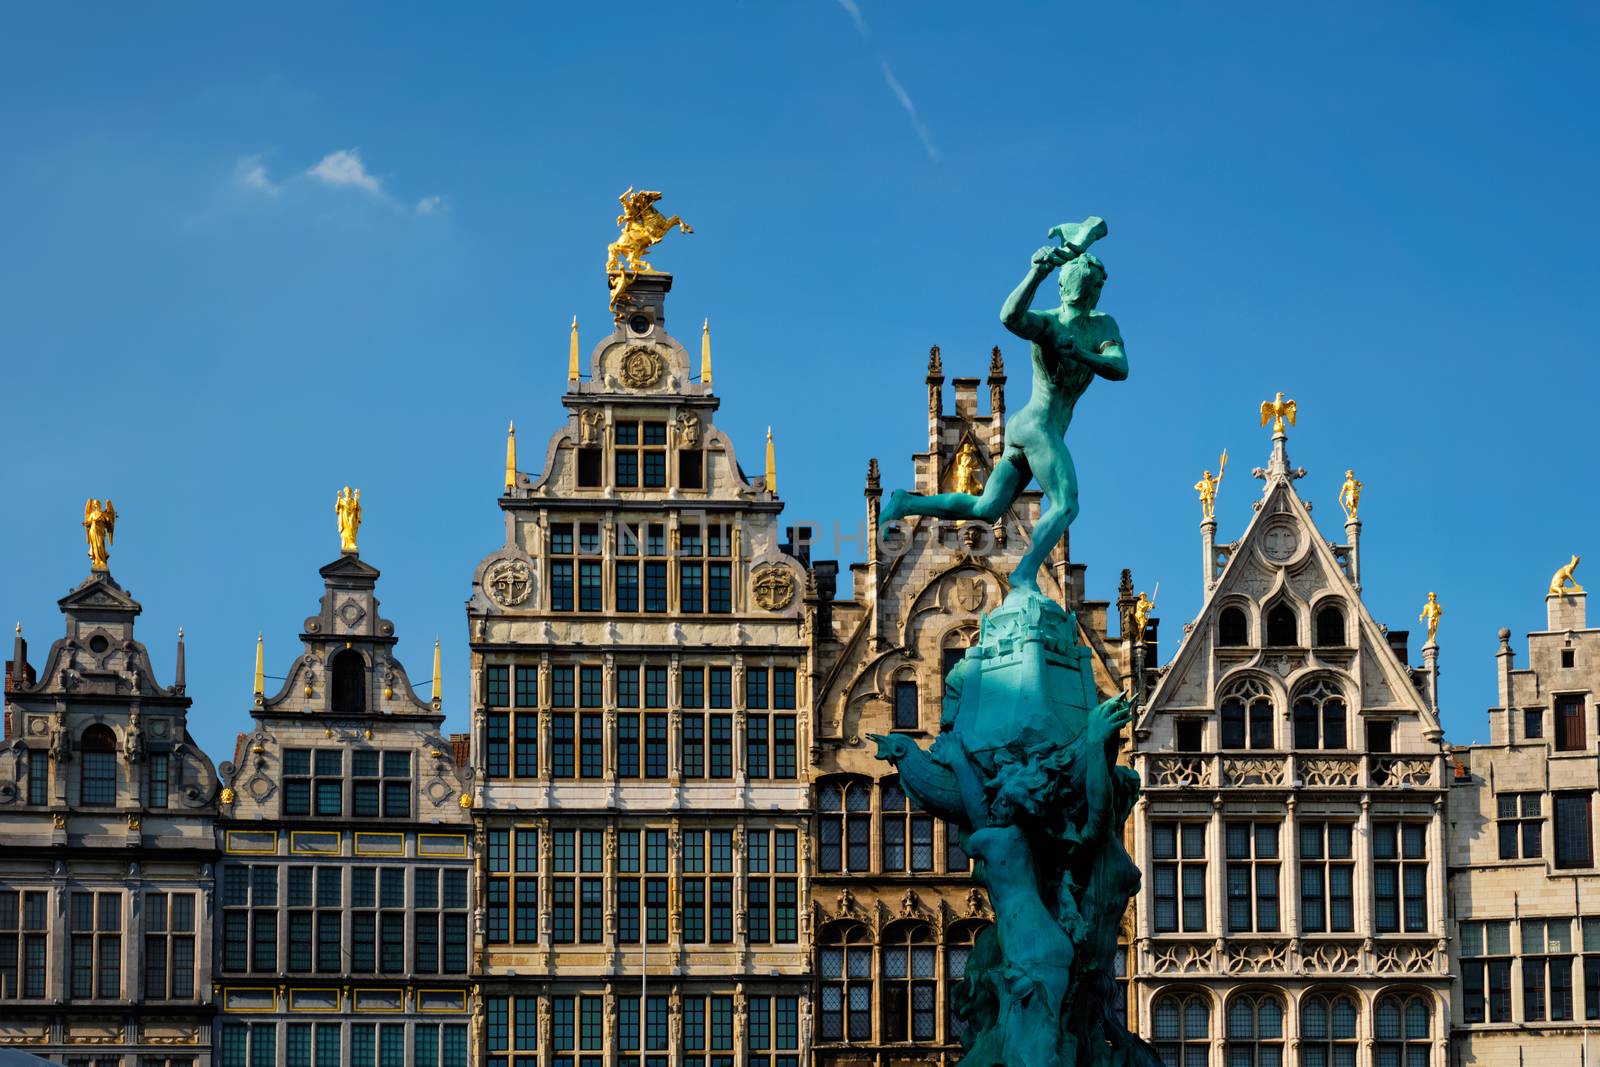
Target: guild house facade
(641,732)
(342,914)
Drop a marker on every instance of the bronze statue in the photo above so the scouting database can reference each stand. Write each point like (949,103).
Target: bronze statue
(99,524)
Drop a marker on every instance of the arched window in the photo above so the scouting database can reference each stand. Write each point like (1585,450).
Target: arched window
(349,683)
(1246,713)
(1319,717)
(844,825)
(907,831)
(1181,1025)
(845,962)
(907,713)
(1283,626)
(98,782)
(1233,628)
(1327,1030)
(1403,1023)
(957,950)
(1255,1031)
(1330,626)
(910,984)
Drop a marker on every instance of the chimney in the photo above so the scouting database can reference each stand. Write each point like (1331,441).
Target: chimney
(1400,641)
(461,749)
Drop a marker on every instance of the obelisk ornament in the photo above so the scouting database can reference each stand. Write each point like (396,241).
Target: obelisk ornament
(347,509)
(1025,769)
(1072,345)
(642,228)
(99,524)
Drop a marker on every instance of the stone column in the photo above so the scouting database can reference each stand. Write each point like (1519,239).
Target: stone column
(1352,535)
(1208,552)
(1430,668)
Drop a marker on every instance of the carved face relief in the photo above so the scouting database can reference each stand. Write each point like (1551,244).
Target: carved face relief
(773,588)
(640,367)
(509,582)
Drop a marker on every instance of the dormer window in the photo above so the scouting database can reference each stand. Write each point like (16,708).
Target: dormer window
(99,779)
(1233,629)
(349,672)
(641,455)
(1283,626)
(1330,627)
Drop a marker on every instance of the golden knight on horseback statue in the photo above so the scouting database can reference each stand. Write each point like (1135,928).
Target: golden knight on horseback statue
(642,227)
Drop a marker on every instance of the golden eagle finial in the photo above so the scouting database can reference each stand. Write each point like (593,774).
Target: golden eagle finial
(1276,410)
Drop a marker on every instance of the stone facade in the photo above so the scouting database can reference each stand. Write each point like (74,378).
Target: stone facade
(346,880)
(1524,888)
(106,814)
(640,721)
(1292,828)
(895,905)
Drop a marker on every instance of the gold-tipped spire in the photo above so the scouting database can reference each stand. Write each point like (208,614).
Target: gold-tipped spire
(261,671)
(705,353)
(438,687)
(772,465)
(572,353)
(511,456)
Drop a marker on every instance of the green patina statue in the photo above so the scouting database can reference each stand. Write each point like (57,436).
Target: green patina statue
(1025,766)
(1071,345)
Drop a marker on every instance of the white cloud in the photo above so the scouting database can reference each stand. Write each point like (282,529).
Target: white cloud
(344,169)
(430,205)
(853,9)
(904,97)
(251,174)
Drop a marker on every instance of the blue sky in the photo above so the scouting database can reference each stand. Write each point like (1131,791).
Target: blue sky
(253,255)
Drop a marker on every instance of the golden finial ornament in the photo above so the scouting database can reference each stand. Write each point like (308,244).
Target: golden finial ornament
(1350,496)
(964,475)
(1207,487)
(772,465)
(1558,582)
(227,795)
(1431,614)
(1141,611)
(99,523)
(705,353)
(1276,410)
(642,227)
(438,685)
(347,508)
(465,801)
(261,670)
(511,457)
(572,352)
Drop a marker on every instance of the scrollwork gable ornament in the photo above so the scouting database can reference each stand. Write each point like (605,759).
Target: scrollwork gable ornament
(773,588)
(509,582)
(640,367)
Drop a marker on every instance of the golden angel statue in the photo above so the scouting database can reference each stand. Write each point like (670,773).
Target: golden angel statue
(99,523)
(1350,495)
(642,227)
(1431,614)
(965,478)
(1275,411)
(347,508)
(1207,487)
(1558,583)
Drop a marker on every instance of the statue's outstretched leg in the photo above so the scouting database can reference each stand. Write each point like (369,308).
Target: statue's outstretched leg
(1059,480)
(1010,477)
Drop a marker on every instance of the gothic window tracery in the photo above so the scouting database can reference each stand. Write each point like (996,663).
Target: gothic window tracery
(845,963)
(1320,716)
(1246,714)
(1233,627)
(1255,1030)
(1181,1028)
(844,825)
